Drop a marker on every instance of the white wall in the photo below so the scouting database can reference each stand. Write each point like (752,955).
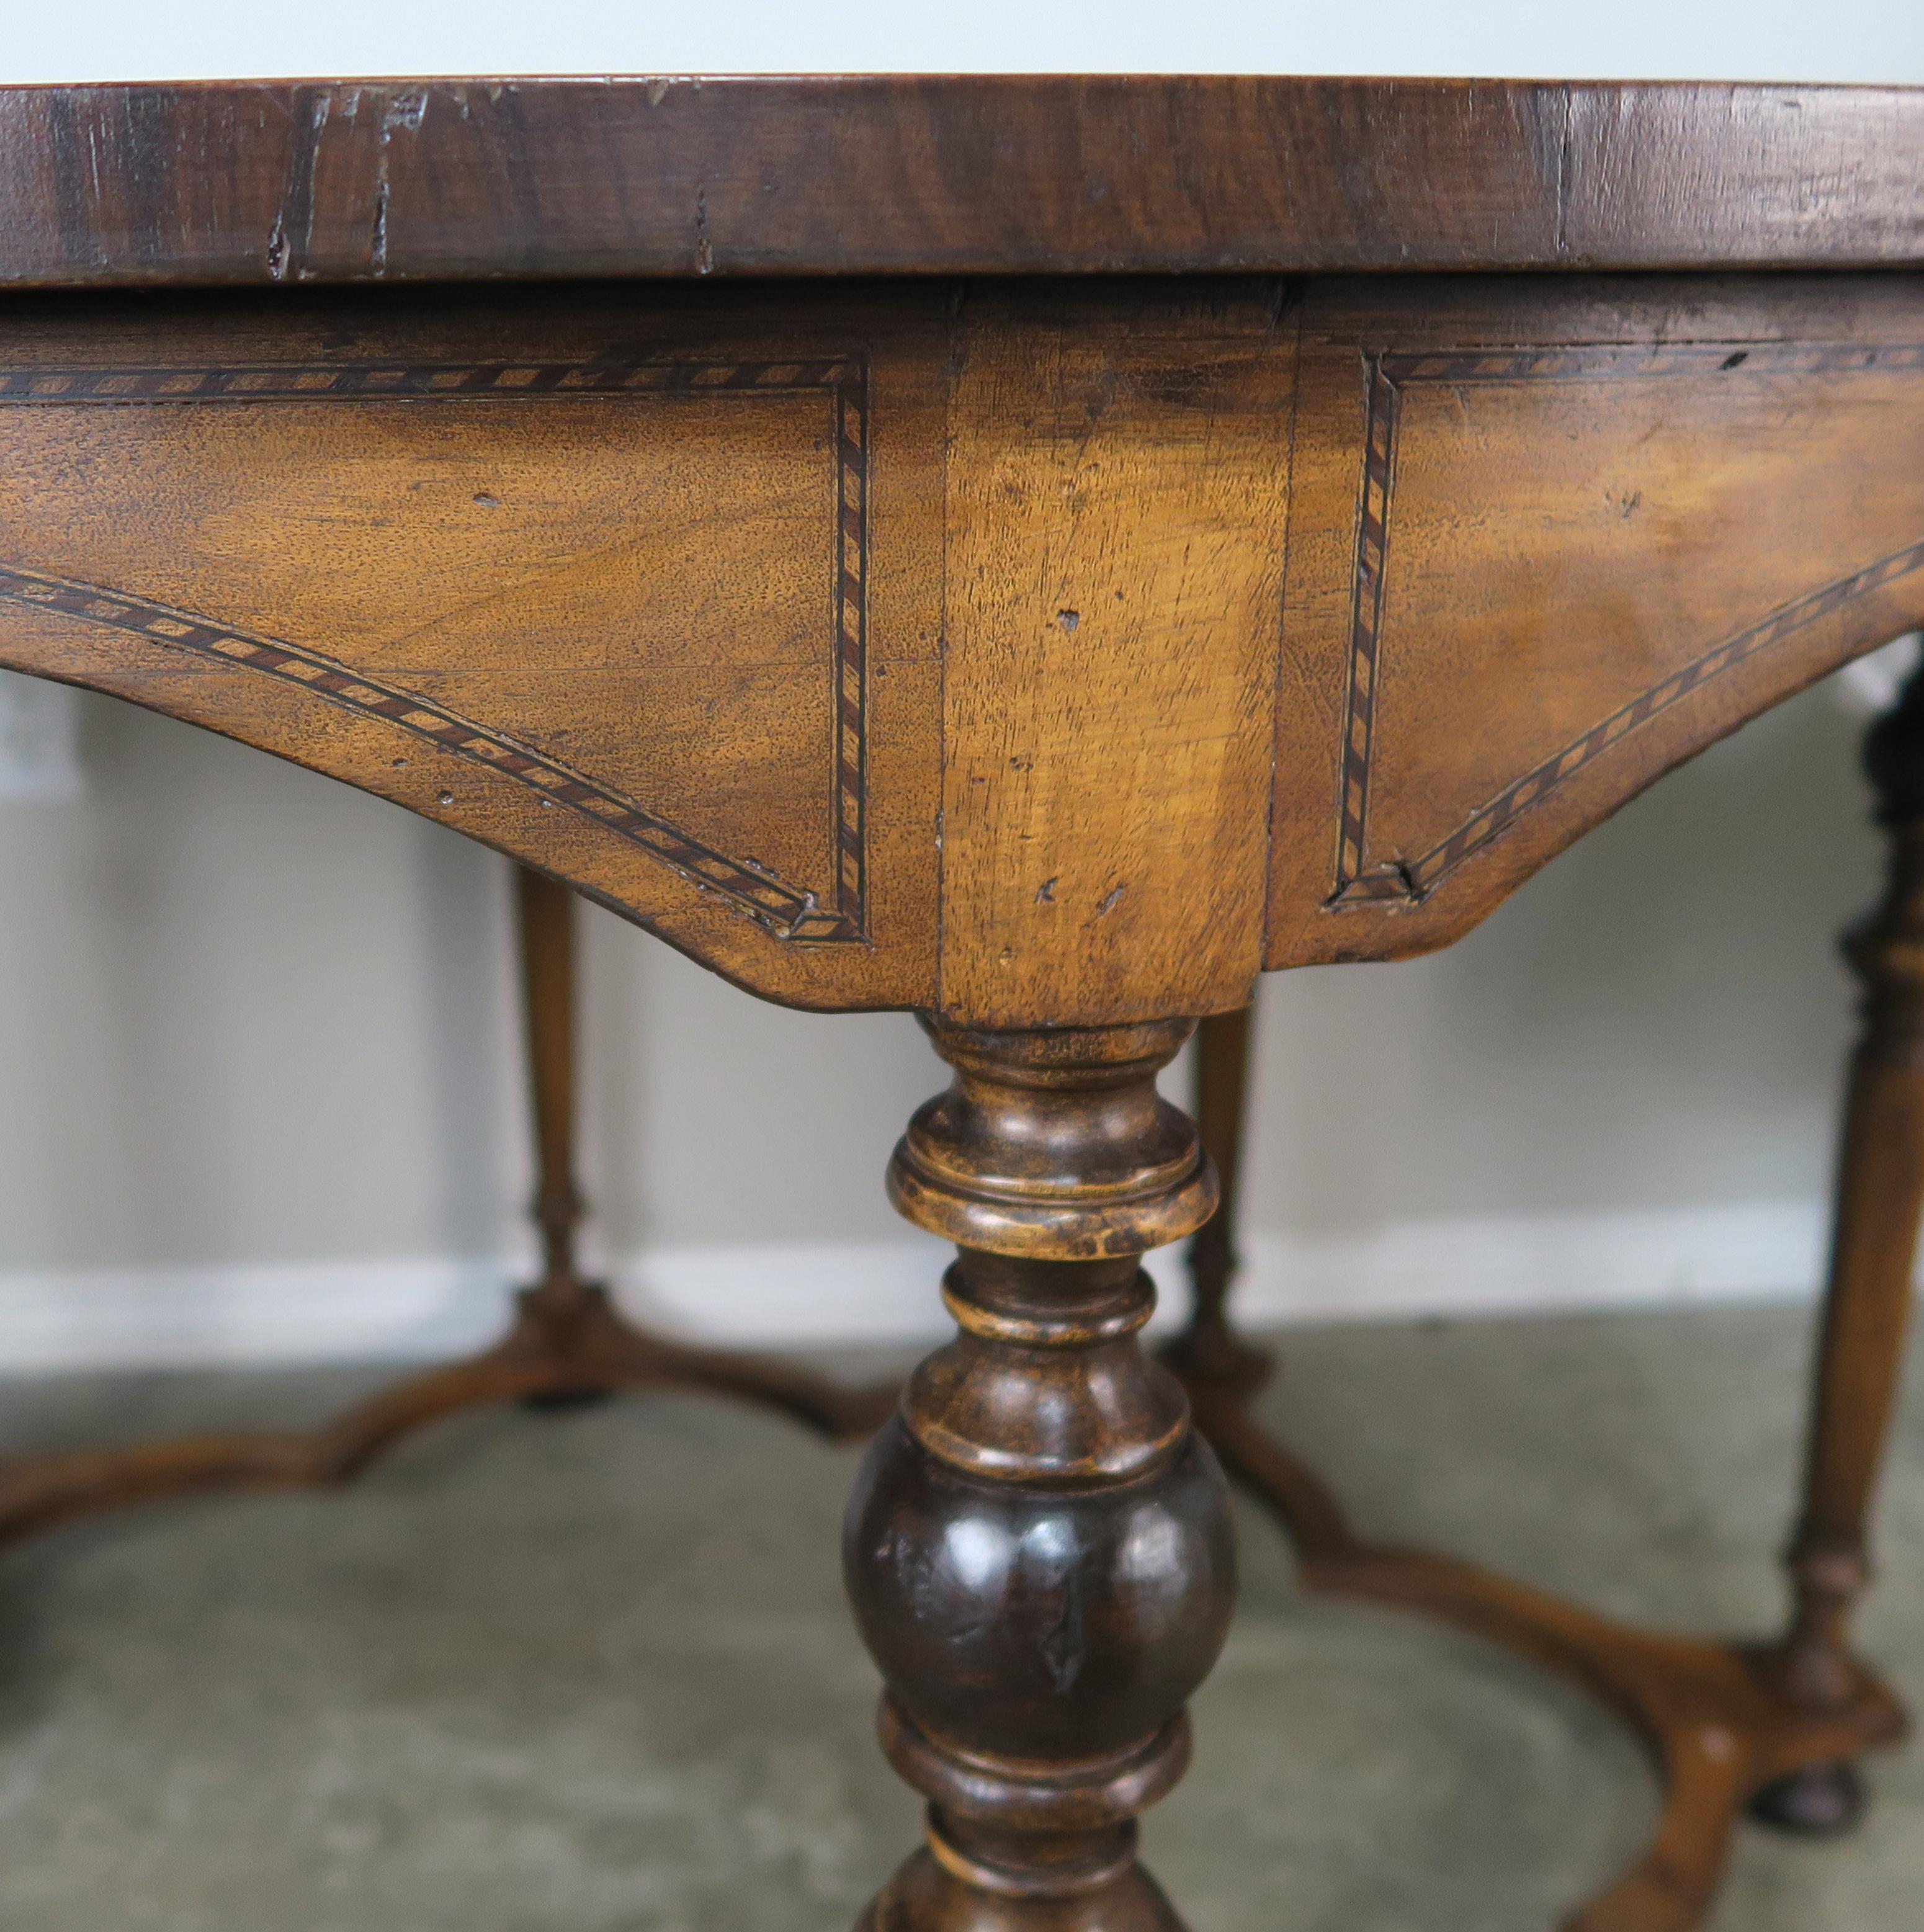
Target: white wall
(259,1076)
(1862,40)
(260,1081)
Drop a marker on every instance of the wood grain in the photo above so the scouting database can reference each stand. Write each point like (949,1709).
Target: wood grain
(348,181)
(1049,655)
(588,579)
(1116,486)
(1547,541)
(1058,653)
(1039,1549)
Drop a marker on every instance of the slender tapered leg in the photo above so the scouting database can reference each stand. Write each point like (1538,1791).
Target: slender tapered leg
(546,918)
(1038,1548)
(546,913)
(568,1343)
(1867,1309)
(1727,1724)
(1209,1346)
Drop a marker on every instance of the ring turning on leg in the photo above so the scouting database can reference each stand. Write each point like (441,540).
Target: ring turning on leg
(1038,1548)
(1867,1309)
(1778,1728)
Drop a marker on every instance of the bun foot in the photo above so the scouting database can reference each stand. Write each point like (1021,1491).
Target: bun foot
(1815,1800)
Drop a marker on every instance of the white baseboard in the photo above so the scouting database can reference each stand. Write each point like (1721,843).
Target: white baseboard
(1536,1264)
(832,1294)
(249,1314)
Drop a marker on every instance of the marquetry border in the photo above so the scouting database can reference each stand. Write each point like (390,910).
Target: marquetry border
(1387,375)
(785,910)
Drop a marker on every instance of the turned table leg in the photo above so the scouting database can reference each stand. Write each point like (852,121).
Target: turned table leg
(1209,1346)
(1867,1308)
(1728,1724)
(546,913)
(559,1299)
(1038,1548)
(568,1343)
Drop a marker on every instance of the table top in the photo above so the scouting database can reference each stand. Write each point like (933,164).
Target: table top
(206,183)
(1057,652)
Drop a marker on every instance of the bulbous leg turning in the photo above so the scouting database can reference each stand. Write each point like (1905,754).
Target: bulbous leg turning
(1038,1548)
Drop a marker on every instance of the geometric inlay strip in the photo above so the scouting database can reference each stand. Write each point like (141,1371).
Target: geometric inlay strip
(1366,622)
(1414,880)
(1408,881)
(783,911)
(843,380)
(598,377)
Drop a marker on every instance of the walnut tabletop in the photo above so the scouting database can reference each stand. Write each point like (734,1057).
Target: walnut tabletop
(340,181)
(1039,551)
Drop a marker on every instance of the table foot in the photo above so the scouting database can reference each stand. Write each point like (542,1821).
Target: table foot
(569,1345)
(566,1401)
(1815,1800)
(1718,1719)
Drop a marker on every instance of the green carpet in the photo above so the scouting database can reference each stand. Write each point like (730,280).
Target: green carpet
(591,1672)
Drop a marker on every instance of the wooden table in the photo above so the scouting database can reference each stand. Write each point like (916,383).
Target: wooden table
(1038,552)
